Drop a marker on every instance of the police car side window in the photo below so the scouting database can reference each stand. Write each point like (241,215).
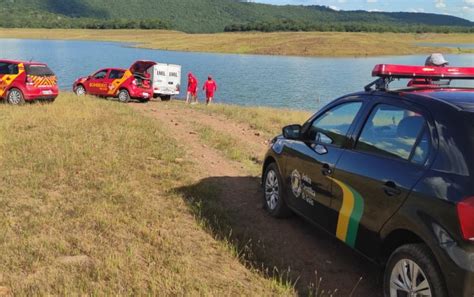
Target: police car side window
(333,125)
(395,132)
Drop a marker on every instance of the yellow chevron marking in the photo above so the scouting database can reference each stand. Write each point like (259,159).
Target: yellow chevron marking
(113,88)
(7,80)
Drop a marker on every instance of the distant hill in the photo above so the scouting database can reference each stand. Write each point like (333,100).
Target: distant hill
(206,15)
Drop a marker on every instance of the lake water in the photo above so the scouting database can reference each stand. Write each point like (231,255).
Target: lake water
(295,82)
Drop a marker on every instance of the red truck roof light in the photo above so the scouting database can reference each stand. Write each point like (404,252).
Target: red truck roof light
(387,73)
(404,71)
(466,218)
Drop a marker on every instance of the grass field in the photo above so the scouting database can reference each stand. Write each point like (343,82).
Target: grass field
(280,43)
(87,209)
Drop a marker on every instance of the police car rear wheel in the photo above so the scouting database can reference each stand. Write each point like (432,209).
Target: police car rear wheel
(412,271)
(80,91)
(273,193)
(15,97)
(124,96)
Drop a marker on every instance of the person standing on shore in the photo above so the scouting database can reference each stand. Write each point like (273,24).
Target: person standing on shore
(210,87)
(191,96)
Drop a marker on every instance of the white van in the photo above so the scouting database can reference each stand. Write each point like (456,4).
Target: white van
(165,78)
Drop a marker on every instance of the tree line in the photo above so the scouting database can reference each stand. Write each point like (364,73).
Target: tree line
(295,26)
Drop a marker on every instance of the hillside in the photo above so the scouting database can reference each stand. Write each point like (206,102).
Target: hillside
(204,15)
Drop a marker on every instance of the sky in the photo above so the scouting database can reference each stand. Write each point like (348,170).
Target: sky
(460,8)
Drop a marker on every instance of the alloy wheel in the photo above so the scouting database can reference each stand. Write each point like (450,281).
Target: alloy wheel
(272,187)
(80,91)
(408,280)
(15,97)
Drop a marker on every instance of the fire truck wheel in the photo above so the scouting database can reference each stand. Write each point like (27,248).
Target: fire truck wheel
(15,97)
(124,96)
(80,90)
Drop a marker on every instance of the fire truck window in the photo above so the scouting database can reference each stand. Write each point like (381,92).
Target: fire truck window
(100,74)
(333,125)
(393,131)
(116,74)
(8,68)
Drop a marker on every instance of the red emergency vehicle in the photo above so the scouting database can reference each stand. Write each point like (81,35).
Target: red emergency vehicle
(26,81)
(124,84)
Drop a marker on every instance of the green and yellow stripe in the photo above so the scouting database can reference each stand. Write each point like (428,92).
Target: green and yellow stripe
(350,214)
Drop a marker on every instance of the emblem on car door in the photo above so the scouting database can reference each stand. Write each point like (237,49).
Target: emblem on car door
(296,185)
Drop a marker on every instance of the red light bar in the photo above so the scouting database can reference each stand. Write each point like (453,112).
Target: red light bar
(405,71)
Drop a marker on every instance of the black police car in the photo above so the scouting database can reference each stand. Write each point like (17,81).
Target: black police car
(390,173)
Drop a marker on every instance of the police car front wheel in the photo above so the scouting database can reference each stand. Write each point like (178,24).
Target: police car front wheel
(273,193)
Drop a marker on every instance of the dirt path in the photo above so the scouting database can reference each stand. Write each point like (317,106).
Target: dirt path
(284,244)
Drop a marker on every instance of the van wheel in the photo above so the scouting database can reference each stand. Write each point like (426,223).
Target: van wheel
(273,199)
(81,91)
(413,271)
(166,98)
(15,97)
(124,96)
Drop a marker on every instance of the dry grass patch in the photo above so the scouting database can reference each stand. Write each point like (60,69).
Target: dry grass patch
(328,44)
(86,209)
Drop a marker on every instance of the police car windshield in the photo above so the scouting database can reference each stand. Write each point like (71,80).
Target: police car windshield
(39,70)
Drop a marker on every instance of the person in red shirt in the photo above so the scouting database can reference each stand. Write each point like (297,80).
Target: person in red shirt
(192,89)
(210,87)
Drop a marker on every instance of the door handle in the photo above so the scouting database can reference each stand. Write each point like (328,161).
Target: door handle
(326,170)
(390,189)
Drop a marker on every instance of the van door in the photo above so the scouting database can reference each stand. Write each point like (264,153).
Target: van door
(160,79)
(166,79)
(174,78)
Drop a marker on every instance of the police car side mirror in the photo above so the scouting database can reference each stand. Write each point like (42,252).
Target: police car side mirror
(292,132)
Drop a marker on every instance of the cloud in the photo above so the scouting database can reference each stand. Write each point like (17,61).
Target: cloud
(372,1)
(469,2)
(440,4)
(334,7)
(417,10)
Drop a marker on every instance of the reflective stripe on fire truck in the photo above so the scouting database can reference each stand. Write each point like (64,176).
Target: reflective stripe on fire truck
(117,83)
(8,79)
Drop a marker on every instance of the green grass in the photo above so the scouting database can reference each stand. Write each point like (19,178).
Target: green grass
(87,209)
(269,121)
(230,147)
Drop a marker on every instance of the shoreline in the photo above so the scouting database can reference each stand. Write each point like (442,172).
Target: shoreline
(298,44)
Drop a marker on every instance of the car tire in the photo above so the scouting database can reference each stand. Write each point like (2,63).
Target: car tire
(409,259)
(15,97)
(80,90)
(273,193)
(124,96)
(166,98)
